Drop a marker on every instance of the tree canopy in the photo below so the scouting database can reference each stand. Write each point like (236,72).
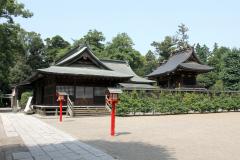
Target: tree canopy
(11,8)
(172,43)
(164,48)
(121,48)
(94,39)
(55,48)
(202,52)
(231,70)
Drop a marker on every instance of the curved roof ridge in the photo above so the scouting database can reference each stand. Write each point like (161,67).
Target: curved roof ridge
(79,52)
(69,53)
(113,60)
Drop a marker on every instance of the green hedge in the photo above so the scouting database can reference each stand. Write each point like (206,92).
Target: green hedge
(132,103)
(24,98)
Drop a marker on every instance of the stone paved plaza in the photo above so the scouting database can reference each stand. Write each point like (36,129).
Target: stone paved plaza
(24,137)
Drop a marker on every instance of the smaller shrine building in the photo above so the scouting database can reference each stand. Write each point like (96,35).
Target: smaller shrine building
(180,70)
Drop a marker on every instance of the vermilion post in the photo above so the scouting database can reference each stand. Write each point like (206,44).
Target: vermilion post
(60,103)
(113,118)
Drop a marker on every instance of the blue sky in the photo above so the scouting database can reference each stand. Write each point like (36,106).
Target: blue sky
(144,20)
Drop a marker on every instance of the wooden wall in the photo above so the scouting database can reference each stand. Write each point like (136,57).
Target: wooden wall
(45,89)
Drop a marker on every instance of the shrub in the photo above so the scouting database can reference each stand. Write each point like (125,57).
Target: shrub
(146,104)
(234,103)
(162,104)
(191,102)
(136,102)
(24,98)
(124,105)
(178,102)
(236,100)
(204,104)
(175,103)
(226,102)
(216,103)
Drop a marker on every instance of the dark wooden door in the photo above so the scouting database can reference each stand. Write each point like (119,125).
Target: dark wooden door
(84,96)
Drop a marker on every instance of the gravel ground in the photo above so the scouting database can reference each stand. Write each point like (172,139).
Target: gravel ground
(181,137)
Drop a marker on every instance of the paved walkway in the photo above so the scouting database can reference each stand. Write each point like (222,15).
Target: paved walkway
(45,142)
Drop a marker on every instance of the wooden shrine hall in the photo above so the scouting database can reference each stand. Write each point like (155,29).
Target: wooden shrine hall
(84,78)
(180,70)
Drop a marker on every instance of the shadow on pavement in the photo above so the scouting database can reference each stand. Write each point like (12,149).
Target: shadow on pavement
(122,133)
(69,150)
(133,150)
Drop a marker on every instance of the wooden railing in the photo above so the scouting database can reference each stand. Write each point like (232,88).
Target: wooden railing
(107,105)
(70,106)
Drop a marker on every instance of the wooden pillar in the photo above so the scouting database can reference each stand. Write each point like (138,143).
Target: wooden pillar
(74,90)
(55,90)
(182,75)
(168,82)
(195,79)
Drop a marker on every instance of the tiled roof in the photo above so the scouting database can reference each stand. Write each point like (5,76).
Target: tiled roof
(123,67)
(180,60)
(132,86)
(83,71)
(195,66)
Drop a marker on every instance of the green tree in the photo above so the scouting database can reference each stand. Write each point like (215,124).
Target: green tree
(34,49)
(218,86)
(217,56)
(95,40)
(121,48)
(215,60)
(151,62)
(226,69)
(11,8)
(164,48)
(28,58)
(20,71)
(55,48)
(231,70)
(202,52)
(12,50)
(10,47)
(182,37)
(171,43)
(207,80)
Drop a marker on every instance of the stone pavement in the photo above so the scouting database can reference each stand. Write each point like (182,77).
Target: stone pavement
(45,142)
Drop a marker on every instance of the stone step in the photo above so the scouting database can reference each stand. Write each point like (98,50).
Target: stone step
(89,107)
(4,110)
(96,110)
(87,114)
(90,111)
